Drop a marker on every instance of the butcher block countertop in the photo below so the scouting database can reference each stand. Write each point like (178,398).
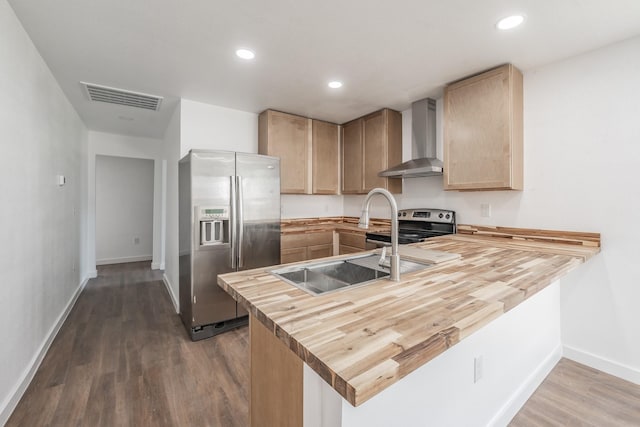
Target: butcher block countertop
(337,223)
(364,339)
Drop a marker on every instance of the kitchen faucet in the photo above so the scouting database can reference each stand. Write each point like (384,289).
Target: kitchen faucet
(364,223)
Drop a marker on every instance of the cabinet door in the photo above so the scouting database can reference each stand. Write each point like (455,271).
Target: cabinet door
(344,249)
(319,251)
(375,150)
(352,182)
(481,148)
(288,137)
(293,255)
(326,158)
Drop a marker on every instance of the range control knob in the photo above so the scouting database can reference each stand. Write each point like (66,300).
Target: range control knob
(404,214)
(447,216)
(399,213)
(440,216)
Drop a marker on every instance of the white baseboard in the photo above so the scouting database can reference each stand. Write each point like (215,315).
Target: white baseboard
(9,404)
(122,260)
(174,300)
(526,389)
(611,367)
(92,274)
(155,266)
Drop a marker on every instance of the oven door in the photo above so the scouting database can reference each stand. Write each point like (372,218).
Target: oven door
(384,239)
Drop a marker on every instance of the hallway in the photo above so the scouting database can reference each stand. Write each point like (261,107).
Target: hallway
(123,358)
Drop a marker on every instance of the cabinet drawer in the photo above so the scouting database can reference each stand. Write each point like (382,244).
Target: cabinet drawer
(321,238)
(353,239)
(319,251)
(344,249)
(293,255)
(298,240)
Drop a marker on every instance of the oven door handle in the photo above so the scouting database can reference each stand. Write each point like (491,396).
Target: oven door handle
(379,243)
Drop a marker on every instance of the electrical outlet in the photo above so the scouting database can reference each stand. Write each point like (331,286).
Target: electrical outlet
(485,210)
(477,369)
(136,240)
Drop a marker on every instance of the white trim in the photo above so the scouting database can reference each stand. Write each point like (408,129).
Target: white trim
(122,260)
(167,284)
(626,372)
(526,389)
(16,393)
(156,266)
(92,274)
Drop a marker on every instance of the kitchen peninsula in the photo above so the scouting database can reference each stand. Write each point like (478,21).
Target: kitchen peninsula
(463,340)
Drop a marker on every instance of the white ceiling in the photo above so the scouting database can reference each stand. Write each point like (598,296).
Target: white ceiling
(387,53)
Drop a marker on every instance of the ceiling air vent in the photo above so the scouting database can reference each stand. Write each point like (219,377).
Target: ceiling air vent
(122,97)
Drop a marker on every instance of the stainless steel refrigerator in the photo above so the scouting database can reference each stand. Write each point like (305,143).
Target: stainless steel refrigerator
(229,220)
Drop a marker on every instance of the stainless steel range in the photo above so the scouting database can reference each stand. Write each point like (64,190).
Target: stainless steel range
(416,225)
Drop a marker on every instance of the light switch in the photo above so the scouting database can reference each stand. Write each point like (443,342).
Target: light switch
(485,210)
(61,179)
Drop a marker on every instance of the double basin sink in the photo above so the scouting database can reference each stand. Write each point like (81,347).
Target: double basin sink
(322,277)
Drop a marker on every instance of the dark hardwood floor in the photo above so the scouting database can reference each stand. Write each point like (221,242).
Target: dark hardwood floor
(123,358)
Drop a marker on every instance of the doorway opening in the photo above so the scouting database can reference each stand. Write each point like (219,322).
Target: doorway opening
(124,210)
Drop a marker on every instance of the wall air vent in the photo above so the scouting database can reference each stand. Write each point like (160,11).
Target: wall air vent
(122,97)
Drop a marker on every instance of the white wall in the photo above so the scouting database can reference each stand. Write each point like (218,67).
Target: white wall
(518,350)
(582,165)
(307,206)
(40,226)
(108,144)
(210,127)
(171,153)
(124,209)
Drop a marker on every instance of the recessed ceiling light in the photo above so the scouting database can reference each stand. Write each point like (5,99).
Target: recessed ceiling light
(335,84)
(510,22)
(245,54)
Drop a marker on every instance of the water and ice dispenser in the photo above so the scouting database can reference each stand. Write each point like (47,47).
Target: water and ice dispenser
(214,225)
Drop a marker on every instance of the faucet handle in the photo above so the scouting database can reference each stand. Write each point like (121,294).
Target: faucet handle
(383,258)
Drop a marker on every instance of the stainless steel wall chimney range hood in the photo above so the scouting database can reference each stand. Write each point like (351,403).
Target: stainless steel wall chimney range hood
(423,144)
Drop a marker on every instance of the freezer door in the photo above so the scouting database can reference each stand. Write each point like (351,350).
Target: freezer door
(258,210)
(212,177)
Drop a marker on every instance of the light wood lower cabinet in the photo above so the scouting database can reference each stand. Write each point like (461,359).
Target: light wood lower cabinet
(319,251)
(351,242)
(293,255)
(296,247)
(276,380)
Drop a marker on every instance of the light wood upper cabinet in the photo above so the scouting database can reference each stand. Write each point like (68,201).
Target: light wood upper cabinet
(288,137)
(370,145)
(309,152)
(483,131)
(352,162)
(325,157)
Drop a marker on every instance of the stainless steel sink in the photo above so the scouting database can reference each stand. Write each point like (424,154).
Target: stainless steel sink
(328,276)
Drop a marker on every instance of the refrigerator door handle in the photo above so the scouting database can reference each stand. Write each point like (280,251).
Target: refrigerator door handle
(232,222)
(240,219)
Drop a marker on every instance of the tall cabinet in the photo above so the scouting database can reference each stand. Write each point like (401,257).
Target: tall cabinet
(483,137)
(370,145)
